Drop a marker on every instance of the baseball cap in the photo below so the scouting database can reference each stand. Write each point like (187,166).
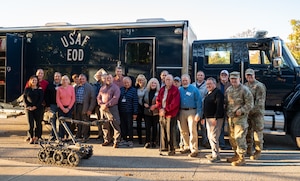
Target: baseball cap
(177,79)
(234,75)
(249,72)
(224,72)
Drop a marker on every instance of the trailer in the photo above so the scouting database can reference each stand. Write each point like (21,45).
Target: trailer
(142,47)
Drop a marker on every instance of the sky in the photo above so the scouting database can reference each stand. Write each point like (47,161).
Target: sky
(209,19)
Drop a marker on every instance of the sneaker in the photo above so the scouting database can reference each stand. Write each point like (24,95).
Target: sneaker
(123,143)
(256,155)
(147,145)
(194,154)
(185,151)
(214,159)
(130,144)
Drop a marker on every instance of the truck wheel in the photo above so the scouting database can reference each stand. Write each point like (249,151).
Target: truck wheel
(295,129)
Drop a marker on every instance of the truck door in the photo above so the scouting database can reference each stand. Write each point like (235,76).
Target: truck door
(139,56)
(278,83)
(13,68)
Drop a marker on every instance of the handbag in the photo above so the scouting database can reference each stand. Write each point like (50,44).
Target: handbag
(148,112)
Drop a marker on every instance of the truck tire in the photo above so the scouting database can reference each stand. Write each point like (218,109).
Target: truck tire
(295,129)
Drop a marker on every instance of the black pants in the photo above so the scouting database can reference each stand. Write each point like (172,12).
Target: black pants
(139,119)
(35,122)
(151,123)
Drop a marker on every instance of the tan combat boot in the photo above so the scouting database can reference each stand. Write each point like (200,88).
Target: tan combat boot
(240,162)
(234,158)
(256,155)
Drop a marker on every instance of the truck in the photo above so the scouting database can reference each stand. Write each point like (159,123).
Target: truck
(146,46)
(273,64)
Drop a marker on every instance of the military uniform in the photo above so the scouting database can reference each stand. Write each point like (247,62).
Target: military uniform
(256,116)
(238,99)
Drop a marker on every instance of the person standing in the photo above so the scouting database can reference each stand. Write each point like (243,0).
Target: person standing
(163,75)
(50,100)
(256,115)
(100,78)
(223,84)
(190,114)
(151,112)
(118,79)
(75,78)
(213,111)
(65,99)
(42,85)
(108,98)
(33,97)
(128,109)
(238,103)
(200,83)
(85,103)
(168,103)
(140,84)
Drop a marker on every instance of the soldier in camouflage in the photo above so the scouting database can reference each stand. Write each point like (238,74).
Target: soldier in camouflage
(238,102)
(256,115)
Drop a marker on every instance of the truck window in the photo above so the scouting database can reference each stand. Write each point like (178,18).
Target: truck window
(258,57)
(219,53)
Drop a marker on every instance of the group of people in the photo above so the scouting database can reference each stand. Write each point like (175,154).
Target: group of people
(175,104)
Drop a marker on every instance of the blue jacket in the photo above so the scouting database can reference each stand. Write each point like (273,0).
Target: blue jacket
(128,101)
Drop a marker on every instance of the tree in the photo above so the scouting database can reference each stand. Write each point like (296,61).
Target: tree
(294,38)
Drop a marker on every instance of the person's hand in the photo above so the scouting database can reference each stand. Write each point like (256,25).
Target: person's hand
(103,106)
(134,117)
(214,122)
(162,112)
(146,105)
(89,113)
(197,118)
(66,110)
(202,121)
(238,112)
(152,107)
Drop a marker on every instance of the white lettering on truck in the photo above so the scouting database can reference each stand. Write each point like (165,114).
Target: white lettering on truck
(74,54)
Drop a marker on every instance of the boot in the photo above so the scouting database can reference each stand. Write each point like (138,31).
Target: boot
(249,151)
(234,158)
(256,155)
(240,162)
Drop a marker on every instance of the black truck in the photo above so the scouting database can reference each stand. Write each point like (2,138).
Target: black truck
(146,46)
(273,64)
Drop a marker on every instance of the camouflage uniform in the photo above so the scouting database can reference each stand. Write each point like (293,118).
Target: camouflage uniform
(256,116)
(242,99)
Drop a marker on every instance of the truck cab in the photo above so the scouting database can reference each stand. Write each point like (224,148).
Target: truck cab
(273,63)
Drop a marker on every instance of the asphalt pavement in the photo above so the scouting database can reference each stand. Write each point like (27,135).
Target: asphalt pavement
(18,161)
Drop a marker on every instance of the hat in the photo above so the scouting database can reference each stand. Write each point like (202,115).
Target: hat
(224,72)
(249,72)
(234,75)
(177,79)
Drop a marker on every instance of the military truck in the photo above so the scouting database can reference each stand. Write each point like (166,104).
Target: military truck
(273,63)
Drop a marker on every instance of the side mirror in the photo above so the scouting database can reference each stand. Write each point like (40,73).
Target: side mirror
(276,53)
